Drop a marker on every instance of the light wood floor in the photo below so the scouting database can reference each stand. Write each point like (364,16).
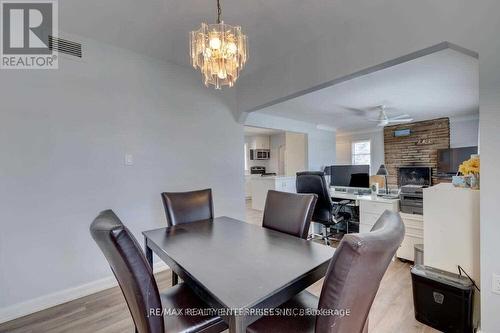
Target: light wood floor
(106,311)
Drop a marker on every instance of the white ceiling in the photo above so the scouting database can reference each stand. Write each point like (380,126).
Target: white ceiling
(250,130)
(160,28)
(442,84)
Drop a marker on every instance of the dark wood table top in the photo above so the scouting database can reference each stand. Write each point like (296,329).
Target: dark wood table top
(237,263)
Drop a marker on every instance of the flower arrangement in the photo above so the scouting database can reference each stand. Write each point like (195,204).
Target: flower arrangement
(470,173)
(470,167)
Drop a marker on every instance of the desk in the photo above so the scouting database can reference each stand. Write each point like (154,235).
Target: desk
(370,207)
(233,265)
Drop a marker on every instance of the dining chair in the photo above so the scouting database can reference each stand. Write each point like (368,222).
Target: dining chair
(350,285)
(289,212)
(136,280)
(186,207)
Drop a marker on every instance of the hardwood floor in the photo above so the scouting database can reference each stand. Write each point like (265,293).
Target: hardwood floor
(106,311)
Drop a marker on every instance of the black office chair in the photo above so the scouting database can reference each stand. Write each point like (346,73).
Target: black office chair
(326,212)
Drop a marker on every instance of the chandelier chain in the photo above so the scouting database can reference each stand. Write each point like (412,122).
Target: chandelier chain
(219,11)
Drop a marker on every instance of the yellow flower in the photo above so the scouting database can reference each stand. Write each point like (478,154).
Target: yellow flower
(471,166)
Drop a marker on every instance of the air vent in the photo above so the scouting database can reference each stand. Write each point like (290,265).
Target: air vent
(65,46)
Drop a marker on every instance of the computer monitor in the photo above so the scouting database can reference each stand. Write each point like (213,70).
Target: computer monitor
(350,175)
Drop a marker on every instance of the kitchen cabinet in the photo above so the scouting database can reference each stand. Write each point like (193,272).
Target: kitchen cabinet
(261,185)
(259,142)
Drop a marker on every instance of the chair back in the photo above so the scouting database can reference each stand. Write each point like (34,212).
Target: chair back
(185,207)
(355,272)
(289,212)
(314,182)
(131,269)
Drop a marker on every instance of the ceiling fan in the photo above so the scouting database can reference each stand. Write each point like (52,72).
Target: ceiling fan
(383,119)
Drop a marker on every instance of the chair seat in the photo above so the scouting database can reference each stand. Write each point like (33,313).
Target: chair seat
(289,324)
(182,297)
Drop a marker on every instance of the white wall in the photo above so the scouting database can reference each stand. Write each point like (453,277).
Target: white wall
(489,199)
(295,153)
(63,137)
(344,147)
(276,140)
(464,132)
(320,143)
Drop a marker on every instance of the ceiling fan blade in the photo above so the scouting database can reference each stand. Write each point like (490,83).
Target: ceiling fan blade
(358,112)
(406,120)
(400,116)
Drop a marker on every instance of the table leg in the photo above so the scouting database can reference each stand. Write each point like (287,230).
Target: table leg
(236,325)
(175,279)
(149,253)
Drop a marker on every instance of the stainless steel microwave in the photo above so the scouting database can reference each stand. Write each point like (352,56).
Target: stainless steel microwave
(260,154)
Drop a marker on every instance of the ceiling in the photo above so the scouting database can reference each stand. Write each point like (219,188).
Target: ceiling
(442,84)
(250,130)
(160,28)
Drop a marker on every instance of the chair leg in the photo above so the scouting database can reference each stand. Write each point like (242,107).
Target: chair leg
(325,235)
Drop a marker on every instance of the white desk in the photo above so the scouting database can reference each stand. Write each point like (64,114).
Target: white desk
(370,209)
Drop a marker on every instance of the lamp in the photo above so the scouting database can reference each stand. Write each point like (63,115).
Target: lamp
(382,171)
(220,51)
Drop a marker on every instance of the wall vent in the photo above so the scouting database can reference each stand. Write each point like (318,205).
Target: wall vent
(65,46)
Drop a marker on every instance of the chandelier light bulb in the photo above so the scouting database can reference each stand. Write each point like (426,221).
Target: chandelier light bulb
(215,43)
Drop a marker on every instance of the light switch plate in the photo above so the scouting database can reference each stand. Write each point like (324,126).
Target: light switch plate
(129,159)
(495,283)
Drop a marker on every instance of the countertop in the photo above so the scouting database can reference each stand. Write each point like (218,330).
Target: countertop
(366,197)
(259,177)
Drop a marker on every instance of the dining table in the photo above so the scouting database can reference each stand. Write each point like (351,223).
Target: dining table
(240,269)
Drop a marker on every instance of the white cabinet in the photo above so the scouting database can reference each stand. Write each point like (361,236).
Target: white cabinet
(371,209)
(248,186)
(414,234)
(451,229)
(259,142)
(261,185)
(286,184)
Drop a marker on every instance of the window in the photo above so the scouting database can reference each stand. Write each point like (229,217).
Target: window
(361,153)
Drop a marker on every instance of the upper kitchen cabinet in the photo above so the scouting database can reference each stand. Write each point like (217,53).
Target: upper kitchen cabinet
(259,142)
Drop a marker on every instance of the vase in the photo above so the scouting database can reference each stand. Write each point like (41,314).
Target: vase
(474,182)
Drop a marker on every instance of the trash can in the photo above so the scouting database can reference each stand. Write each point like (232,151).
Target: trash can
(418,257)
(442,300)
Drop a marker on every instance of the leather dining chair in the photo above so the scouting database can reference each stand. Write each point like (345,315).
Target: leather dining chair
(351,283)
(136,280)
(325,212)
(186,207)
(289,212)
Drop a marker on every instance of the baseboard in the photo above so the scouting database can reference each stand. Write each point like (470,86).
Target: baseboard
(47,301)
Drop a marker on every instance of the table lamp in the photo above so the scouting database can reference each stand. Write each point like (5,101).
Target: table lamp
(382,171)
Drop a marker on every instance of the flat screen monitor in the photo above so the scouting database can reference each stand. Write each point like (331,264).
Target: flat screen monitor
(350,175)
(450,159)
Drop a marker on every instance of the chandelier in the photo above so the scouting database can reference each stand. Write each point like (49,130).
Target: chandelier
(220,51)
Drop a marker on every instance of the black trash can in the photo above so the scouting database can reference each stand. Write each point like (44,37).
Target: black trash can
(442,300)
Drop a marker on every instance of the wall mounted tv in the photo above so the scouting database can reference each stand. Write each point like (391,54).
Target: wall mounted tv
(450,159)
(350,175)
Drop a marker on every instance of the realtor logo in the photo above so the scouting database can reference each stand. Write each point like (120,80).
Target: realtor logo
(27,28)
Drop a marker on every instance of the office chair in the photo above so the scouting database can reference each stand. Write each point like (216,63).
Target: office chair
(326,212)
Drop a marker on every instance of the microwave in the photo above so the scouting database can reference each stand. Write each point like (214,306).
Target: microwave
(260,154)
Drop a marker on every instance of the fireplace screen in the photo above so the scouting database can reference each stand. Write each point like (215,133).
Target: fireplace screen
(415,176)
